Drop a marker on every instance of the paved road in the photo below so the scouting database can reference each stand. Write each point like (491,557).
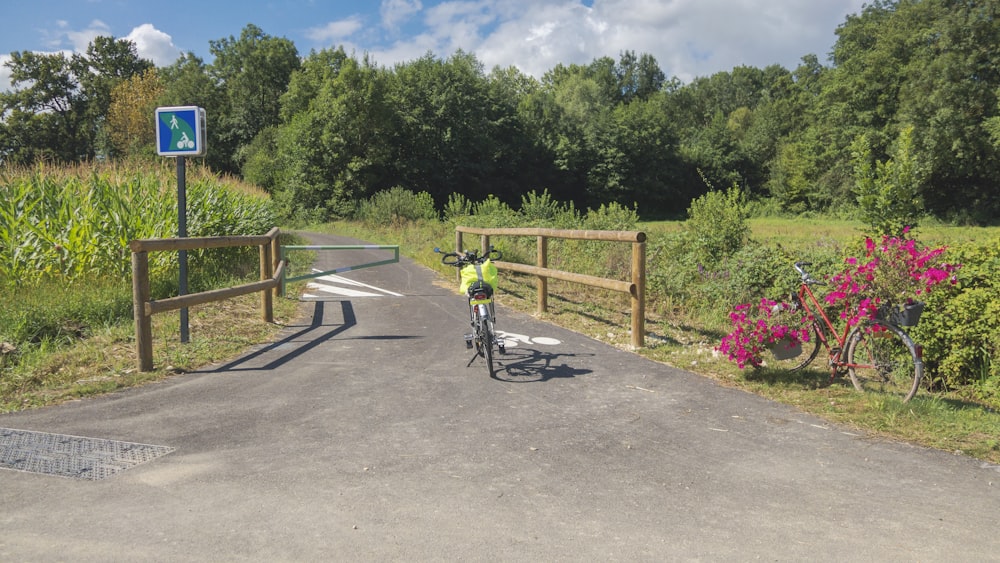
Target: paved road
(362,434)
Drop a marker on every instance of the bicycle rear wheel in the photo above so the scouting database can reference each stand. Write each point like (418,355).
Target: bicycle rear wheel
(882,357)
(486,343)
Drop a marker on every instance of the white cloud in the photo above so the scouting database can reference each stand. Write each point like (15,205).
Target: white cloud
(395,12)
(81,39)
(4,73)
(689,38)
(154,45)
(335,31)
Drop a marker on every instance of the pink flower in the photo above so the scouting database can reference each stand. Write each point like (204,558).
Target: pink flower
(755,327)
(895,272)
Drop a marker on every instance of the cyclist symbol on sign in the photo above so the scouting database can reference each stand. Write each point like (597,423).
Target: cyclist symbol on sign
(185,143)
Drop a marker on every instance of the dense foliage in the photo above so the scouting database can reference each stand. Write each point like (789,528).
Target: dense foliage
(902,121)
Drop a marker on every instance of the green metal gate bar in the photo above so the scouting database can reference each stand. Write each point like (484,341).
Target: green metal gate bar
(393,260)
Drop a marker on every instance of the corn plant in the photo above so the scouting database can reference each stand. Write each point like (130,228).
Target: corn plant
(73,222)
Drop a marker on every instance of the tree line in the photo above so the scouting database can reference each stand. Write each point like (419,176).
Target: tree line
(904,115)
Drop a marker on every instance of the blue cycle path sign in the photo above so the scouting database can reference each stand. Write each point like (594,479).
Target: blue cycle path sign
(180,131)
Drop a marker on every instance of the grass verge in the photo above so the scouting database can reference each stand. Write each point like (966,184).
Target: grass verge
(96,352)
(105,361)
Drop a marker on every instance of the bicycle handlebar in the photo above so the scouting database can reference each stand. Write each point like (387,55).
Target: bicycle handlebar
(459,259)
(805,276)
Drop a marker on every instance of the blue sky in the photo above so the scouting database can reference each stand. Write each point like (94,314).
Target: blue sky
(689,38)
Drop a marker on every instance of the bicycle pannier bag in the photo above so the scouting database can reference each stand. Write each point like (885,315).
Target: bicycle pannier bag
(485,272)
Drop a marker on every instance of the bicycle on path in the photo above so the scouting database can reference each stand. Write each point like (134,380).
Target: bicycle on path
(479,278)
(877,354)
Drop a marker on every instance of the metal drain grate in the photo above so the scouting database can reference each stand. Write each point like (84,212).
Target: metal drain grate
(71,456)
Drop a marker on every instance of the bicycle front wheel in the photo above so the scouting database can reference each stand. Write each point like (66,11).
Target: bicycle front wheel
(789,361)
(882,357)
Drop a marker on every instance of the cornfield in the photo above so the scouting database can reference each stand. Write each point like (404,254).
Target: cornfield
(76,222)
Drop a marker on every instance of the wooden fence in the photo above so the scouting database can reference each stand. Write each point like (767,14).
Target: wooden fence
(271,273)
(636,287)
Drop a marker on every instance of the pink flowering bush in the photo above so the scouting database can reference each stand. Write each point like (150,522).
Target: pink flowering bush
(894,272)
(762,326)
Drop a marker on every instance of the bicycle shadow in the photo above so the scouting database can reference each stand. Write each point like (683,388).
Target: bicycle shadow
(525,365)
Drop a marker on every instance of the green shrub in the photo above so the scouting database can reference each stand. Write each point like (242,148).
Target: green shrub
(457,209)
(717,225)
(960,325)
(601,258)
(671,271)
(396,207)
(493,213)
(540,210)
(887,192)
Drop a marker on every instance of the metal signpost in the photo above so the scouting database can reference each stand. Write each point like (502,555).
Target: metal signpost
(180,132)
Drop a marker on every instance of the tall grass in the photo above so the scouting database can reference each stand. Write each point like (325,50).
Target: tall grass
(68,223)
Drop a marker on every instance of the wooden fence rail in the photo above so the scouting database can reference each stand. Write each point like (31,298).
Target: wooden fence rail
(636,287)
(271,272)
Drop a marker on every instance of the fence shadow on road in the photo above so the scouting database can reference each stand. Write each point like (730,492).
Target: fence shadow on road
(321,329)
(525,365)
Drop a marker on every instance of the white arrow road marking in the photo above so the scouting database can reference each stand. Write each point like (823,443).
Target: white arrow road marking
(346,292)
(512,339)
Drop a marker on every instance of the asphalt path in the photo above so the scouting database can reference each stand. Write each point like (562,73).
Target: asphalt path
(367,431)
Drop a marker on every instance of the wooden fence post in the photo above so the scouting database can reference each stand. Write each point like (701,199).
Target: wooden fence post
(458,248)
(543,282)
(276,260)
(143,322)
(639,298)
(266,302)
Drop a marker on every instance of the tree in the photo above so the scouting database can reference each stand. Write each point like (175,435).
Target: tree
(649,172)
(888,191)
(450,127)
(949,95)
(929,64)
(306,82)
(44,120)
(106,64)
(264,158)
(60,110)
(131,113)
(337,151)
(638,78)
(580,126)
(253,73)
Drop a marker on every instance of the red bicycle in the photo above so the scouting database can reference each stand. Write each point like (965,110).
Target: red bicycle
(877,354)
